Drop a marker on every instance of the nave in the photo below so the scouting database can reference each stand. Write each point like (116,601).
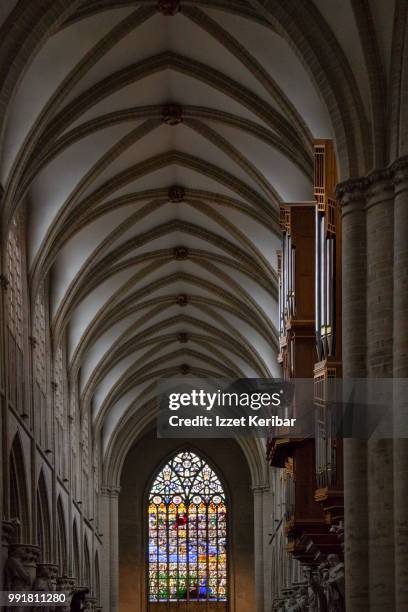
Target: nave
(164,166)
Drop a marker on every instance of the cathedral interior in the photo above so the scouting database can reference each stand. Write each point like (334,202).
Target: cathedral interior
(215,189)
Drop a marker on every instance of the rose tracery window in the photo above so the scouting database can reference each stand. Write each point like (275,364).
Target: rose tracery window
(187,544)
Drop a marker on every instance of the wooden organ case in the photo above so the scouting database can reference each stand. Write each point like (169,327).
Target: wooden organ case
(329,450)
(309,265)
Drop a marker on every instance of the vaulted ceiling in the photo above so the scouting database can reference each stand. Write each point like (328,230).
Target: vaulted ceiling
(153,143)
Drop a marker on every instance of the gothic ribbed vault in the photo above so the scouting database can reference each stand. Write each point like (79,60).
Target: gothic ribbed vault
(153,150)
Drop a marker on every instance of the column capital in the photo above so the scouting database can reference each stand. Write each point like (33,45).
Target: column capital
(379,186)
(110,490)
(350,191)
(400,171)
(260,489)
(65,583)
(27,553)
(48,570)
(378,182)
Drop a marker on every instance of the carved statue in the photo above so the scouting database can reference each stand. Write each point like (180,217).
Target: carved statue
(291,605)
(302,599)
(339,531)
(316,596)
(17,577)
(335,583)
(10,531)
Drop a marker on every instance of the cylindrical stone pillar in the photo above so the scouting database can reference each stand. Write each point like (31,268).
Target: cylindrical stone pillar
(109,504)
(114,549)
(380,237)
(400,169)
(267,559)
(354,309)
(259,542)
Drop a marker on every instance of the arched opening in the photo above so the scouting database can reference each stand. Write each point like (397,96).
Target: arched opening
(187,534)
(76,560)
(87,565)
(43,521)
(97,587)
(61,540)
(143,463)
(18,491)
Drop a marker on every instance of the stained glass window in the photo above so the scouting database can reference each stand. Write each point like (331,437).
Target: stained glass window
(187,517)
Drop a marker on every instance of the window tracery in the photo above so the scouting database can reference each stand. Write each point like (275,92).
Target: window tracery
(187,515)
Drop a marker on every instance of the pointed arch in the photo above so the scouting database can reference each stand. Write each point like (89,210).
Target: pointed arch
(62,549)
(187,532)
(97,580)
(18,495)
(76,561)
(87,580)
(43,520)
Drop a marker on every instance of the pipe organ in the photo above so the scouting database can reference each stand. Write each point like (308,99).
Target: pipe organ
(309,273)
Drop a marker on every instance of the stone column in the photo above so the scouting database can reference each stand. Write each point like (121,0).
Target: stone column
(110,549)
(267,559)
(380,237)
(259,530)
(400,169)
(354,271)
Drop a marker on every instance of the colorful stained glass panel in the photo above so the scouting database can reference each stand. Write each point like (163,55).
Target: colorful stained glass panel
(187,533)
